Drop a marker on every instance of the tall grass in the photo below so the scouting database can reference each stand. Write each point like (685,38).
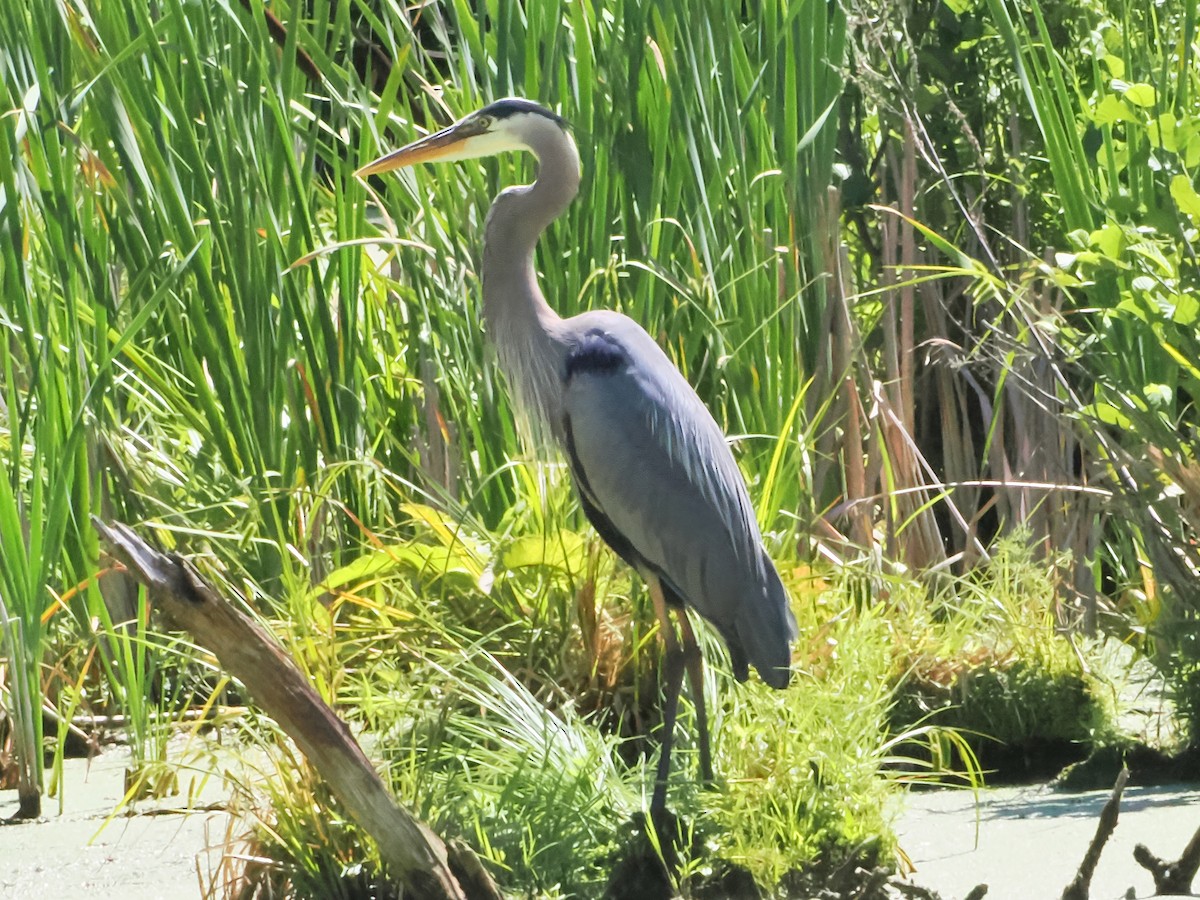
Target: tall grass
(51,389)
(1104,320)
(197,338)
(700,180)
(1061,334)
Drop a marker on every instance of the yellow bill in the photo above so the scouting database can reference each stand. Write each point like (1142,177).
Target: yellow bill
(465,139)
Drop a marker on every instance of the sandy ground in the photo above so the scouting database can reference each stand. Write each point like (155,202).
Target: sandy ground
(1024,843)
(155,855)
(1027,843)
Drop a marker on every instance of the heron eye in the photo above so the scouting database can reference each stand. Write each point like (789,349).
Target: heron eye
(484,122)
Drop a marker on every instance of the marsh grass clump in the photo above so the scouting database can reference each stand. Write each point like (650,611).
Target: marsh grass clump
(990,662)
(497,749)
(290,838)
(1176,640)
(1021,720)
(797,791)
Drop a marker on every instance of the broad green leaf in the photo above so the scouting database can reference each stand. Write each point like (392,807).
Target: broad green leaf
(1162,132)
(425,560)
(1191,153)
(1185,196)
(1136,307)
(1186,309)
(1110,415)
(1158,396)
(1139,94)
(1109,239)
(564,550)
(450,534)
(373,565)
(1111,109)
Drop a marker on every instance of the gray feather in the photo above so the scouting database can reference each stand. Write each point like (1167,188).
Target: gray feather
(659,470)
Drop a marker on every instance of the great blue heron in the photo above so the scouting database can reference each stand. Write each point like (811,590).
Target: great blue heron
(650,464)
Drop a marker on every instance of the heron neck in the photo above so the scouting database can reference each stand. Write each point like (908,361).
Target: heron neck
(523,327)
(516,221)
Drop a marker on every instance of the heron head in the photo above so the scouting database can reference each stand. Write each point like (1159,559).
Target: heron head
(509,124)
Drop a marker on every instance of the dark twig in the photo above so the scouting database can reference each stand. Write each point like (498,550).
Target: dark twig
(874,880)
(1078,888)
(1174,877)
(918,892)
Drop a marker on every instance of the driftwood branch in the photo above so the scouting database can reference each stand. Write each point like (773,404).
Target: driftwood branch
(1078,888)
(1172,877)
(413,853)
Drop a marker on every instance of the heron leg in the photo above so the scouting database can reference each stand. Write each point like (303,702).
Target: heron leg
(673,683)
(693,660)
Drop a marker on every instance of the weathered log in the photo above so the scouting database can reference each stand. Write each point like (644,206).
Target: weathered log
(414,855)
(1079,886)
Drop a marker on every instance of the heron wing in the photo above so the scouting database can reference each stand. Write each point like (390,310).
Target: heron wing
(662,487)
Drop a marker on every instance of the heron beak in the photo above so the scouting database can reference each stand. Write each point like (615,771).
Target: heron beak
(447,144)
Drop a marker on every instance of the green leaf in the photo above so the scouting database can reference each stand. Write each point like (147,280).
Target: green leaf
(1111,109)
(1140,94)
(373,565)
(1186,309)
(1158,396)
(1162,132)
(425,560)
(1109,239)
(1135,307)
(563,550)
(1110,415)
(1185,196)
(1191,153)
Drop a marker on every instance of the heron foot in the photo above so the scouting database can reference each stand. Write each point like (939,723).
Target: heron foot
(650,861)
(671,836)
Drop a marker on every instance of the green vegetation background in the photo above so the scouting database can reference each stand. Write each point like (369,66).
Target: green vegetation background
(932,267)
